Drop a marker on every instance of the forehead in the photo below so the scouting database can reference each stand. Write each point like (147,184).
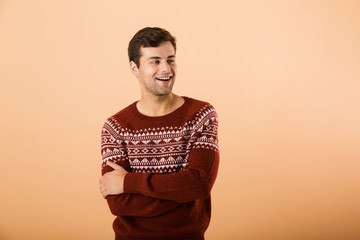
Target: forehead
(164,50)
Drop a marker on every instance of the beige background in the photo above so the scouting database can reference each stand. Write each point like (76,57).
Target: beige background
(283,76)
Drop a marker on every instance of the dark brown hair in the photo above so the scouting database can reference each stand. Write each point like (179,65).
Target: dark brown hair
(148,37)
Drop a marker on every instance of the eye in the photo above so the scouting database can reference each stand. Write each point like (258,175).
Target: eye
(171,61)
(155,62)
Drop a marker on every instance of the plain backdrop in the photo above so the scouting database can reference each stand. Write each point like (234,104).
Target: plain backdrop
(282,75)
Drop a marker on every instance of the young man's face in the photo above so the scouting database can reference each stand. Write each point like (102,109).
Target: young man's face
(157,69)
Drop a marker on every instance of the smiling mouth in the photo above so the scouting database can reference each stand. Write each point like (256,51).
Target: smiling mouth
(164,79)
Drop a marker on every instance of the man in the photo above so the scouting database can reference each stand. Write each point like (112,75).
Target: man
(160,154)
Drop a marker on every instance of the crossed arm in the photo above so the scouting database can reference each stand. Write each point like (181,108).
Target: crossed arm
(128,204)
(195,182)
(150,194)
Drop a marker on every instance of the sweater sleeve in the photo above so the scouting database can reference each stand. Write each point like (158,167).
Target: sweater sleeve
(192,183)
(127,204)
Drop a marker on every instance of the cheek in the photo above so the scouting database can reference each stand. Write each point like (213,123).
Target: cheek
(150,71)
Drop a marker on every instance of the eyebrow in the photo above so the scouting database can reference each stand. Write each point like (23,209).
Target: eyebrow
(171,56)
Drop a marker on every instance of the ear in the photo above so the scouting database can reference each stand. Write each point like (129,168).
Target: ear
(134,69)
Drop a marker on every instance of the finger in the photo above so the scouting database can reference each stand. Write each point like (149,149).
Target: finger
(102,187)
(113,165)
(102,180)
(104,194)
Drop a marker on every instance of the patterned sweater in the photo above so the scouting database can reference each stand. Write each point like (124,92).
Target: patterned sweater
(172,162)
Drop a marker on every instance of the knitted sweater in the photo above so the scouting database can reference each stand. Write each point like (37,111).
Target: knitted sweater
(172,162)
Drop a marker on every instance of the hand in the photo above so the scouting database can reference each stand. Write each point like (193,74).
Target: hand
(112,183)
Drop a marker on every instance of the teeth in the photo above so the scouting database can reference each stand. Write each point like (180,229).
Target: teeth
(164,79)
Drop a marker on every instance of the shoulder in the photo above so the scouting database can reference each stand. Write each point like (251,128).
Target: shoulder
(203,113)
(120,118)
(126,112)
(200,107)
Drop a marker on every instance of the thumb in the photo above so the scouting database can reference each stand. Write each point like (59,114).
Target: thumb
(113,165)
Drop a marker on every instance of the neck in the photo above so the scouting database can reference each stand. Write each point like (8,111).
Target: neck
(159,105)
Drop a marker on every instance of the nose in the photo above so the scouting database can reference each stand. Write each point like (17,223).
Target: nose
(165,67)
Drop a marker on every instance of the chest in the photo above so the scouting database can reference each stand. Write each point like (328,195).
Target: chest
(158,150)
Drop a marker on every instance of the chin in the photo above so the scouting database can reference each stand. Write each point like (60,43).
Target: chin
(163,93)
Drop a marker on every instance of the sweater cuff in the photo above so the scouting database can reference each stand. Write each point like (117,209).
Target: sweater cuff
(131,181)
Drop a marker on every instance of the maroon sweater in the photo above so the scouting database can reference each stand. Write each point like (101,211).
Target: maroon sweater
(172,162)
